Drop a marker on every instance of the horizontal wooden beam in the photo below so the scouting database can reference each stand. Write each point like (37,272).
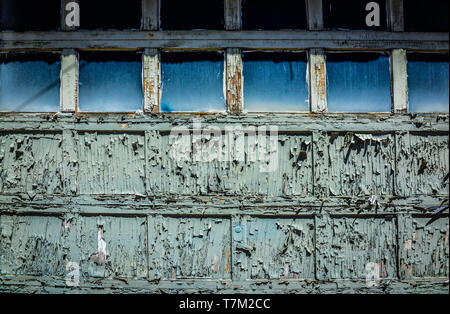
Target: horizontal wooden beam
(215,205)
(57,284)
(290,123)
(224,39)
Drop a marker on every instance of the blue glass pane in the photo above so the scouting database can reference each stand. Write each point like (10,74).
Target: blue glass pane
(428,80)
(358,82)
(192,81)
(275,81)
(110,81)
(29,82)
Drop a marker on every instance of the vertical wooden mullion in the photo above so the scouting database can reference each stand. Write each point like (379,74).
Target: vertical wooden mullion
(151,80)
(233,19)
(151,66)
(69,81)
(399,81)
(315,15)
(316,66)
(150,15)
(234,81)
(317,81)
(396,18)
(233,63)
(69,68)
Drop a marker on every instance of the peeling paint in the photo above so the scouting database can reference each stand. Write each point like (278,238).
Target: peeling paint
(113,247)
(361,164)
(30,163)
(234,94)
(182,248)
(426,249)
(111,163)
(275,248)
(423,164)
(347,244)
(102,191)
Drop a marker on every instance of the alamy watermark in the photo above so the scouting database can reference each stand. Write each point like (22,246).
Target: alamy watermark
(73,14)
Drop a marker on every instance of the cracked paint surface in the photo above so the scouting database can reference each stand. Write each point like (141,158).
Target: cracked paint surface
(189,248)
(347,244)
(111,163)
(271,248)
(105,193)
(425,250)
(30,163)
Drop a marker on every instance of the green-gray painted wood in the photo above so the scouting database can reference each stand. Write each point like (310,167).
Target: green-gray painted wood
(361,192)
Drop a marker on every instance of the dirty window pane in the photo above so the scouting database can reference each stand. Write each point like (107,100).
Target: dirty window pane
(110,81)
(358,82)
(110,14)
(275,81)
(29,82)
(273,14)
(194,14)
(192,81)
(352,14)
(426,15)
(428,79)
(26,15)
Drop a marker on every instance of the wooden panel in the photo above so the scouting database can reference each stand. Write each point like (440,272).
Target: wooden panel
(423,164)
(424,248)
(189,248)
(111,163)
(346,245)
(247,173)
(33,245)
(361,164)
(273,248)
(30,163)
(125,244)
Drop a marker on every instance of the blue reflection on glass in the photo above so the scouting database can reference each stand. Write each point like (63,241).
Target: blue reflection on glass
(428,79)
(275,81)
(110,81)
(29,82)
(358,82)
(192,81)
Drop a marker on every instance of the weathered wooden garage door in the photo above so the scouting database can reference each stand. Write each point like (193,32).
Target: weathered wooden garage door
(345,198)
(151,202)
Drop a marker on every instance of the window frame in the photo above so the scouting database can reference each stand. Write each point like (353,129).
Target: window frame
(233,40)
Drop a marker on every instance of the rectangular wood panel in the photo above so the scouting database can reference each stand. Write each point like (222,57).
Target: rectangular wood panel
(273,248)
(347,245)
(32,245)
(206,169)
(30,163)
(423,164)
(188,247)
(113,247)
(424,248)
(111,163)
(361,164)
